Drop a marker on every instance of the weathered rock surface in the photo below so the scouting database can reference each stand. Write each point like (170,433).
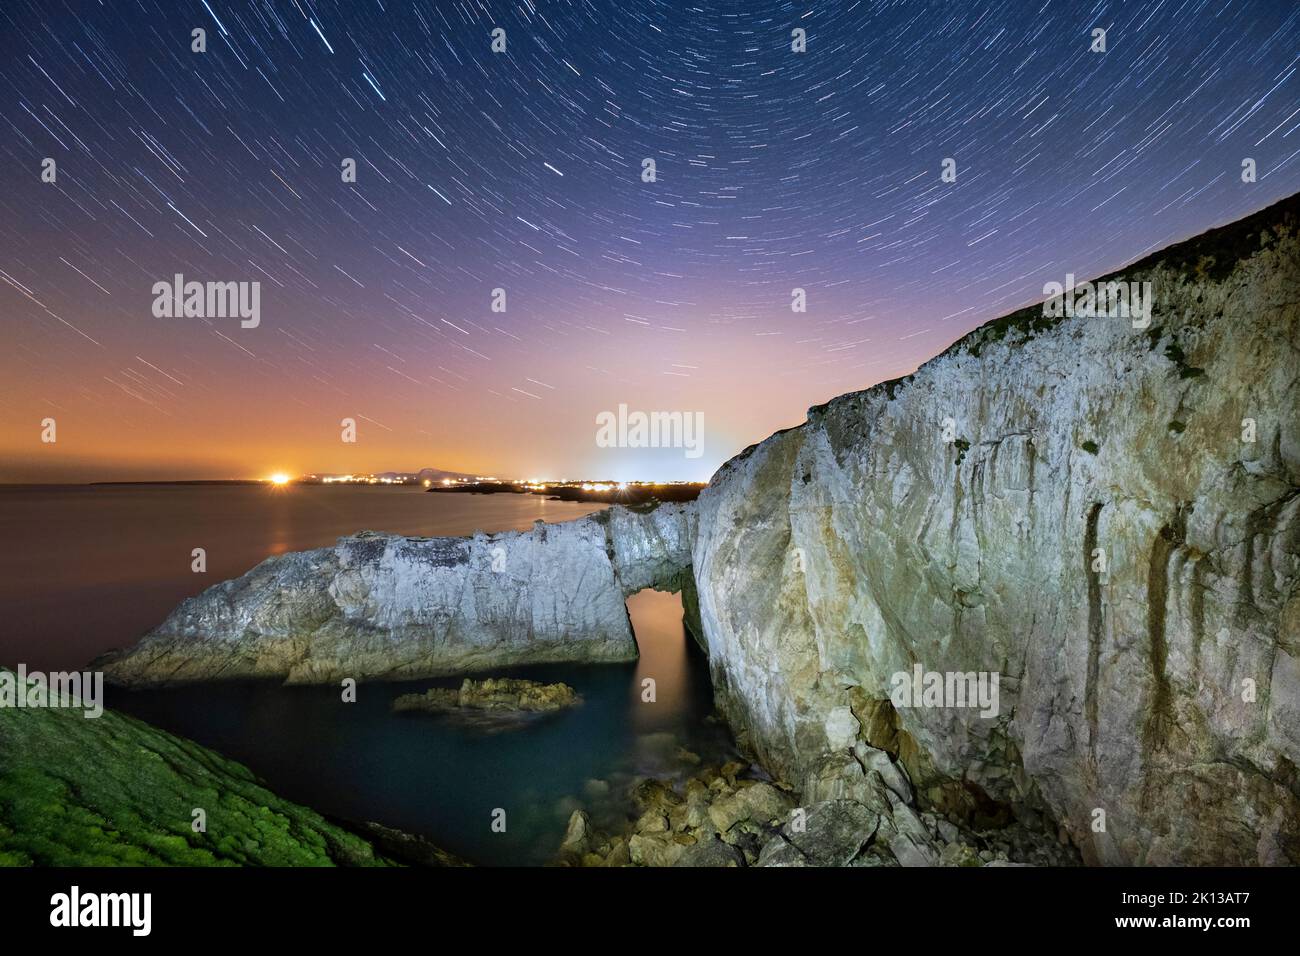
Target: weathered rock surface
(391,607)
(1163,691)
(727,816)
(494,695)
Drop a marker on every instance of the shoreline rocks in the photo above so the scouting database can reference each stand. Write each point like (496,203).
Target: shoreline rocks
(851,814)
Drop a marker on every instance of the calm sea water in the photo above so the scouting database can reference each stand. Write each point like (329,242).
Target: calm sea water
(91,568)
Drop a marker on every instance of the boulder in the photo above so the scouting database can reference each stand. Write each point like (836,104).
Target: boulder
(759,802)
(830,834)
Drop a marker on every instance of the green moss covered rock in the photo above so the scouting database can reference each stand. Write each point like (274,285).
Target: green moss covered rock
(114,791)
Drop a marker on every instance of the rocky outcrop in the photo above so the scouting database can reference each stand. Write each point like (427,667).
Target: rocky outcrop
(493,695)
(1106,517)
(857,809)
(390,607)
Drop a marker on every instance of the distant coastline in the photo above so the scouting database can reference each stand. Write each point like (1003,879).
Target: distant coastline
(623,493)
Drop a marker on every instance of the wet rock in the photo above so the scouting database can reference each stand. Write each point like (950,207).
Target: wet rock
(652,794)
(652,821)
(619,854)
(697,806)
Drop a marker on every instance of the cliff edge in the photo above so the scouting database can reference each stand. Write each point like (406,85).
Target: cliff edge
(1103,516)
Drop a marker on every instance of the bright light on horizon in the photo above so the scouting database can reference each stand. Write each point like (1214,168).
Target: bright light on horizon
(279,478)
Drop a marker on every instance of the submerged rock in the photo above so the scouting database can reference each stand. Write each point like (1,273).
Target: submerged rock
(408,848)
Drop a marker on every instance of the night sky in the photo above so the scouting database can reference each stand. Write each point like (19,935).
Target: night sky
(523,171)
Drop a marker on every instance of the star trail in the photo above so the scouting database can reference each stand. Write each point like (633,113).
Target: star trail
(520,176)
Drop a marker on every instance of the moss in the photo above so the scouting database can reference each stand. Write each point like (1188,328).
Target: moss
(1026,323)
(962,446)
(1091,447)
(1174,352)
(114,791)
(1212,256)
(893,385)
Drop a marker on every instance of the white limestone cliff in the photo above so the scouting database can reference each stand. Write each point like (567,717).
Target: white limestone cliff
(378,606)
(1161,697)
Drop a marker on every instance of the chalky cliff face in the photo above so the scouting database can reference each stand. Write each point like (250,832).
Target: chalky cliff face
(381,606)
(1096,532)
